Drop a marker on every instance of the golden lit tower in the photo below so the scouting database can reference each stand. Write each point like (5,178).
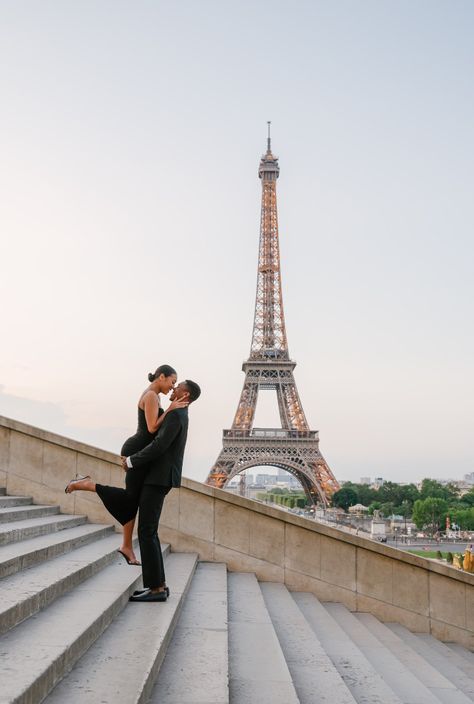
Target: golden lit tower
(294,446)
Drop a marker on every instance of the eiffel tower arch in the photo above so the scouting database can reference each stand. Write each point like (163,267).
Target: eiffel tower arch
(293,446)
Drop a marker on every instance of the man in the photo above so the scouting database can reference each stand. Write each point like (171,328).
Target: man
(163,459)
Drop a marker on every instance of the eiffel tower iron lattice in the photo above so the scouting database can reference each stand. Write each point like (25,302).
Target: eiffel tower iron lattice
(293,447)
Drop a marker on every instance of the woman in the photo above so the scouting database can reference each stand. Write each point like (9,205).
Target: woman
(123,503)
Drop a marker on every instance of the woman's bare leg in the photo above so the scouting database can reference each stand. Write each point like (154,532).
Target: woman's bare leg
(127,545)
(127,537)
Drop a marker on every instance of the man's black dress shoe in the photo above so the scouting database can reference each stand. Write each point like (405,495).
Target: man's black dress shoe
(140,591)
(147,596)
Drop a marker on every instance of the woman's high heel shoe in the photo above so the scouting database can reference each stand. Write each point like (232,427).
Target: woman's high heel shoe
(73,481)
(128,560)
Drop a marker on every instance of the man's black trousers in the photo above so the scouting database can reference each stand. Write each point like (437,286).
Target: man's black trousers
(151,503)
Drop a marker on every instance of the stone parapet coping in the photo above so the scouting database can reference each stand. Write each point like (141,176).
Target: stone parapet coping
(249,536)
(60,440)
(250,504)
(322,529)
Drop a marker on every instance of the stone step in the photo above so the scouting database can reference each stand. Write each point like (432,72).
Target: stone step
(443,654)
(398,677)
(8,501)
(257,668)
(15,531)
(21,556)
(441,660)
(41,650)
(23,513)
(195,668)
(25,593)
(365,683)
(314,675)
(462,651)
(441,687)
(121,666)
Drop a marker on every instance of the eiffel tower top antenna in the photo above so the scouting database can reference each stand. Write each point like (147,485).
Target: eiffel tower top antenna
(269,332)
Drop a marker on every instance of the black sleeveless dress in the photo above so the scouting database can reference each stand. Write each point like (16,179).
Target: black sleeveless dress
(123,503)
(142,437)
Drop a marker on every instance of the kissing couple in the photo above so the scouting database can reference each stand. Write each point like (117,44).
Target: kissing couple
(153,462)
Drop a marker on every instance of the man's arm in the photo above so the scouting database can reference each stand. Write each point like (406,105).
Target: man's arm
(165,436)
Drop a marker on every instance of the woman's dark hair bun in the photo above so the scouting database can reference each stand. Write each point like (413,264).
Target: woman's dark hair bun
(163,369)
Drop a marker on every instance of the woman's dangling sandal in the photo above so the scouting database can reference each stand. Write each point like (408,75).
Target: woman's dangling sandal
(73,481)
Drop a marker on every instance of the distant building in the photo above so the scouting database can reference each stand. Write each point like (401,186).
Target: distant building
(266,479)
(287,480)
(232,488)
(358,508)
(378,482)
(461,484)
(469,478)
(464,487)
(364,480)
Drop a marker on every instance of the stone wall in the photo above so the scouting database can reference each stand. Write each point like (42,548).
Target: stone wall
(38,463)
(365,576)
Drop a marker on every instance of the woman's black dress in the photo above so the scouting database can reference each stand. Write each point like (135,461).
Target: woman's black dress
(123,503)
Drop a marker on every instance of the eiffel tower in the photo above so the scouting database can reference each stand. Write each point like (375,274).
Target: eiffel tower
(293,447)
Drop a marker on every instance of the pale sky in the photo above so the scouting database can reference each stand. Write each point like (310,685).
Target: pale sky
(129,212)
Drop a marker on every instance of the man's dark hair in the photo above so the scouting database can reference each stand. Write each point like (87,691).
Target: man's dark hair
(194,390)
(163,369)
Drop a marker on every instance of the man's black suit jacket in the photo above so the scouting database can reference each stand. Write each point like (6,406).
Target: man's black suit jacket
(163,457)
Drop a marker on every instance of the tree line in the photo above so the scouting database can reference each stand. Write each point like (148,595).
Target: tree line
(284,497)
(428,506)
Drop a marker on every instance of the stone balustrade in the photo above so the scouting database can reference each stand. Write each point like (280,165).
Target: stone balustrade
(421,594)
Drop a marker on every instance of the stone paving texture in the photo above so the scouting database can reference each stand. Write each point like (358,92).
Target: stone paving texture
(195,669)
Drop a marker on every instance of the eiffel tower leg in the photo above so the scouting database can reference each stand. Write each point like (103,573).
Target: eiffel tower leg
(283,407)
(318,481)
(219,474)
(313,496)
(289,405)
(247,404)
(325,478)
(294,408)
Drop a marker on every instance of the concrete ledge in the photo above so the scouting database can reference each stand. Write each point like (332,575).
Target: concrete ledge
(249,536)
(38,463)
(320,529)
(54,439)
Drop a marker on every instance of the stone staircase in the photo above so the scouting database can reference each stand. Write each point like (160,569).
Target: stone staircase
(68,634)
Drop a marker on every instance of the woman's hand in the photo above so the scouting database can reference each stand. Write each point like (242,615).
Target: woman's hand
(179,403)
